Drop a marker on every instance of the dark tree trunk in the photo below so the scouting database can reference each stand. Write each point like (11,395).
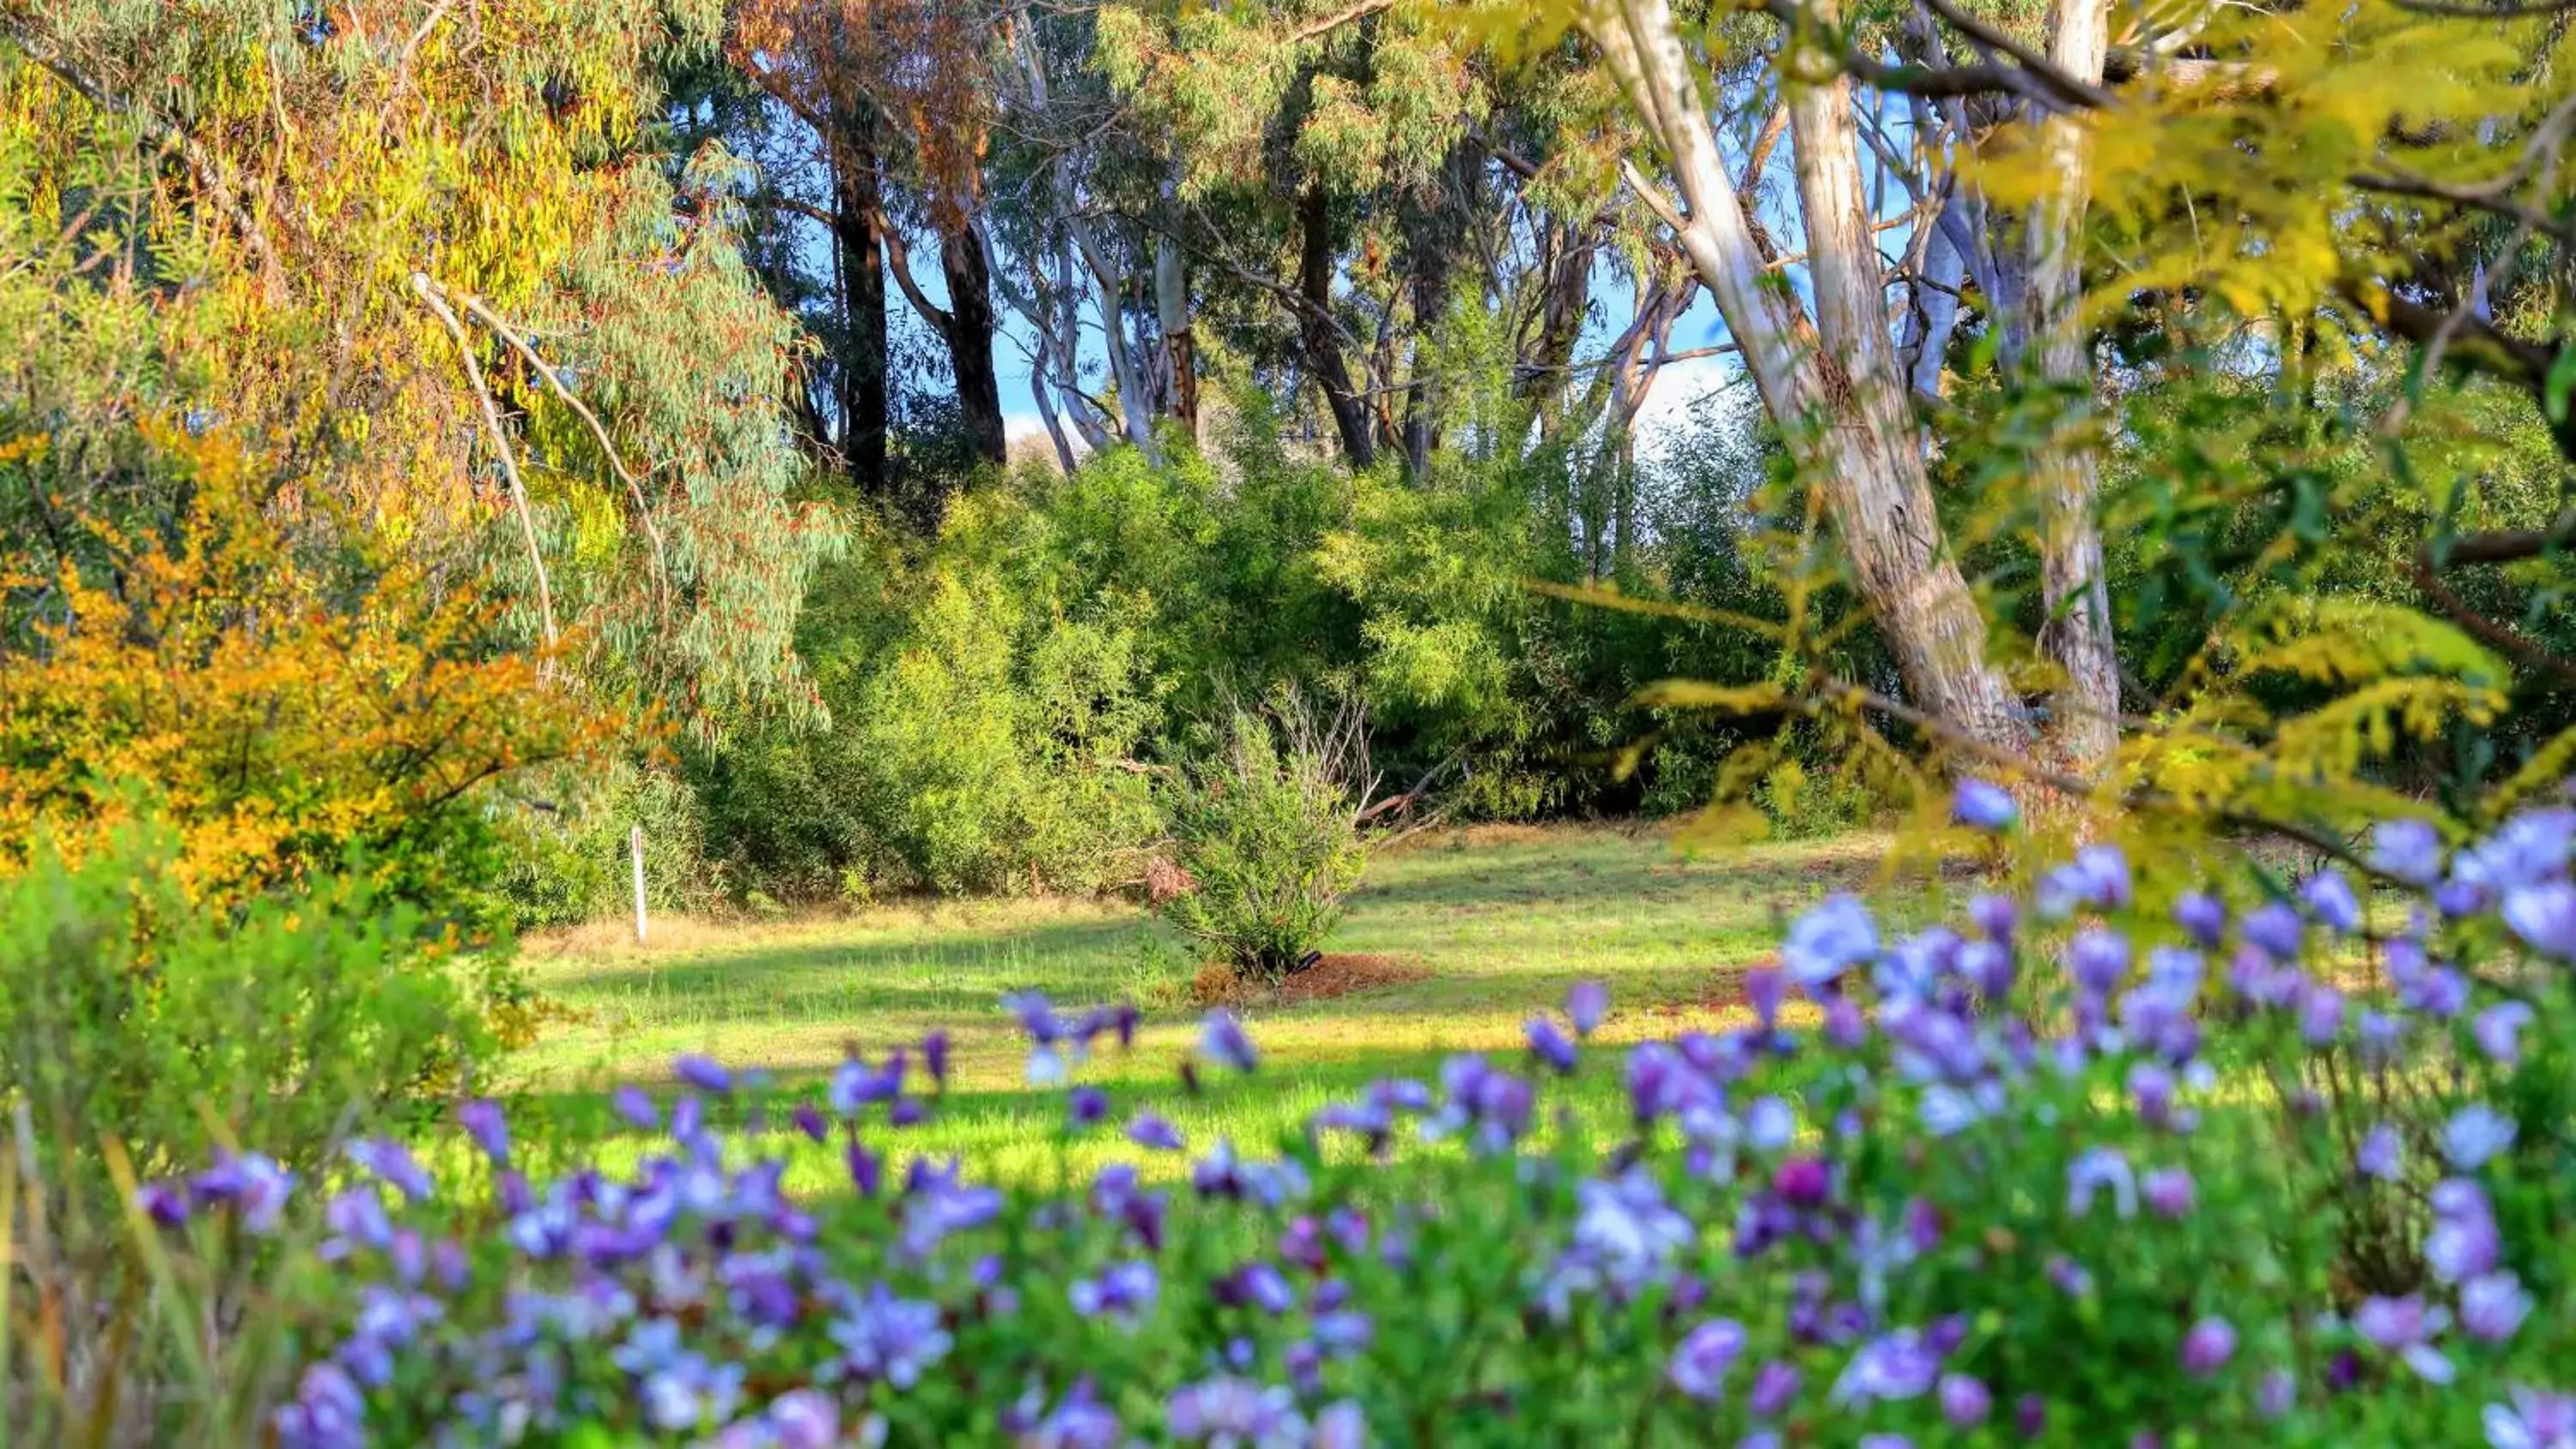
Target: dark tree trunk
(863,315)
(969,335)
(1565,302)
(1322,341)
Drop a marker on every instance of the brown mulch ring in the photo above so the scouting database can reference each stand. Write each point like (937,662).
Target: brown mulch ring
(1724,992)
(1338,974)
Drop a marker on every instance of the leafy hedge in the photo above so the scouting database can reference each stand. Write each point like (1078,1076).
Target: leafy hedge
(2281,1168)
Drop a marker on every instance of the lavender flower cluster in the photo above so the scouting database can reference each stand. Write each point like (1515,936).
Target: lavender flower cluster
(2068,1171)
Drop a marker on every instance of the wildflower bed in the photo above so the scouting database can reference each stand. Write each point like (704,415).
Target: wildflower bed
(2065,1172)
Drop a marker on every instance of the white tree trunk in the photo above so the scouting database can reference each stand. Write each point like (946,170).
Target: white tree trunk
(1831,384)
(2066,473)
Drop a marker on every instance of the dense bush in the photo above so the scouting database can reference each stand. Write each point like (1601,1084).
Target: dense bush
(1265,829)
(2083,1169)
(141,1034)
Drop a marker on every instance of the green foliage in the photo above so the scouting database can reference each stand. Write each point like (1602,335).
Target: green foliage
(128,1013)
(1265,827)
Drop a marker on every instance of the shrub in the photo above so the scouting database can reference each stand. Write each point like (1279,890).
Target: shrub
(141,1033)
(1266,828)
(2270,1202)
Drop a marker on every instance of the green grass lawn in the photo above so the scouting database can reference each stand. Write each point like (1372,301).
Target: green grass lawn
(1491,924)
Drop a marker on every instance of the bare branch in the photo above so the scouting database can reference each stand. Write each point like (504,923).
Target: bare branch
(429,293)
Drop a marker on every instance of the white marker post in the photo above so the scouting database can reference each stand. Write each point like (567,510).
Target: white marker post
(635,848)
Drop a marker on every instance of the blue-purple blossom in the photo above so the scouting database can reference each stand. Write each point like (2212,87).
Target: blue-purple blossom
(1123,1292)
(2544,916)
(1223,1041)
(2463,1242)
(635,1107)
(2532,1420)
(1549,1045)
(2092,1171)
(1775,1388)
(2475,1134)
(485,1122)
(393,1162)
(1148,1130)
(2329,896)
(2167,1191)
(885,1338)
(2406,1328)
(1586,1003)
(934,1057)
(1235,1413)
(1965,1400)
(2276,1394)
(251,1183)
(2203,917)
(702,1073)
(2410,850)
(329,1411)
(2381,1154)
(2208,1346)
(1086,1106)
(1832,937)
(2098,958)
(2498,1031)
(1982,806)
(1701,1362)
(2276,928)
(1897,1365)
(2493,1306)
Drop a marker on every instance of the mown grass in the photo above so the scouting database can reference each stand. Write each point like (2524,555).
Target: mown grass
(1497,922)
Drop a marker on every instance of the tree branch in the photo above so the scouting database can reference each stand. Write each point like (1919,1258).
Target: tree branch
(429,294)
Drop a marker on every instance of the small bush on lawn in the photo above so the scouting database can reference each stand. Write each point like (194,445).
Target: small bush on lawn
(1266,828)
(2259,1178)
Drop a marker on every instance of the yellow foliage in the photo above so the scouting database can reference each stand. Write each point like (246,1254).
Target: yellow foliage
(277,699)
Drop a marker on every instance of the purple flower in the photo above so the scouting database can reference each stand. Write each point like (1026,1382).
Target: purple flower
(329,1411)
(1994,914)
(485,1122)
(1147,1130)
(1086,1106)
(2544,916)
(165,1203)
(2475,1134)
(2406,1328)
(1706,1354)
(2203,917)
(1982,806)
(2030,1416)
(2330,896)
(2276,1394)
(1802,1181)
(1898,1365)
(1035,1015)
(2095,1169)
(2493,1306)
(1549,1045)
(2498,1031)
(2410,850)
(1341,1425)
(2321,1011)
(1965,1401)
(1585,1005)
(2098,959)
(2381,1154)
(2535,1420)
(1124,1292)
(1765,988)
(2208,1346)
(2275,928)
(2167,1191)
(885,1338)
(804,1419)
(702,1073)
(1769,1125)
(1236,1413)
(393,1162)
(1222,1040)
(2463,1242)
(253,1184)
(810,1121)
(636,1108)
(1831,938)
(1775,1388)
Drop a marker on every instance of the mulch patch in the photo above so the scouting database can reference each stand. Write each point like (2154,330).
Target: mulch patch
(1337,974)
